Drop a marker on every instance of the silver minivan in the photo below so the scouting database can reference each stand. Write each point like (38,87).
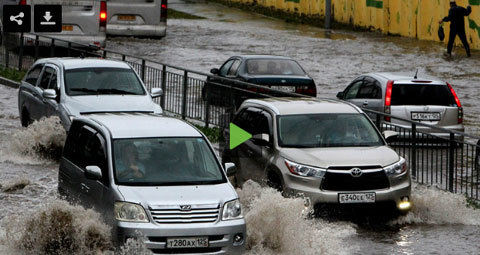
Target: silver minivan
(69,87)
(83,22)
(424,99)
(153,177)
(137,18)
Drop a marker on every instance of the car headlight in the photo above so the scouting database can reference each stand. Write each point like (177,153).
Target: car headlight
(302,170)
(130,212)
(232,210)
(398,168)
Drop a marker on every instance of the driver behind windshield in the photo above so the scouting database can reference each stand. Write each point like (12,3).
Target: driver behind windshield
(128,167)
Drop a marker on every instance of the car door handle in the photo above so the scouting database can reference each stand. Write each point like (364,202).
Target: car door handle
(365,103)
(84,187)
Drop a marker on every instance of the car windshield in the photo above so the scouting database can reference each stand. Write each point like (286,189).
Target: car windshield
(88,81)
(327,130)
(273,66)
(415,94)
(165,161)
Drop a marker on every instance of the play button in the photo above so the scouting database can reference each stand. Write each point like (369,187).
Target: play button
(237,136)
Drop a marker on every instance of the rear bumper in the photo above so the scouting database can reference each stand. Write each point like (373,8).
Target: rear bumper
(137,30)
(220,235)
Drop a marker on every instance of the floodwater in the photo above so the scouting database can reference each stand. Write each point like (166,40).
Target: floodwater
(440,222)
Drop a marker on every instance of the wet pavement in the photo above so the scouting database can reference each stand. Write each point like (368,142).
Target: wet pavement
(440,222)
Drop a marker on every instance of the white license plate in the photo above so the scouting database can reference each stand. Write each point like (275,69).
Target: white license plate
(284,88)
(347,198)
(426,116)
(126,17)
(187,242)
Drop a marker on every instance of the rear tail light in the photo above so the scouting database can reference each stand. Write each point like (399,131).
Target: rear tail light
(103,16)
(163,12)
(388,100)
(459,105)
(22,2)
(306,90)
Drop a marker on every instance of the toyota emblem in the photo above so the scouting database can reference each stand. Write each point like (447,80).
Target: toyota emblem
(185,207)
(356,172)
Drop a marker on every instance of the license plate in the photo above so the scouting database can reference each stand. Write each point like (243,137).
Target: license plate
(67,28)
(284,88)
(426,116)
(187,242)
(349,198)
(126,17)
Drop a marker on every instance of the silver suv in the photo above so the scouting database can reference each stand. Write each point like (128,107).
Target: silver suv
(137,17)
(425,99)
(155,177)
(328,150)
(69,87)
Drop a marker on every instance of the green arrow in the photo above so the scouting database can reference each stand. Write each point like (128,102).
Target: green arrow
(237,136)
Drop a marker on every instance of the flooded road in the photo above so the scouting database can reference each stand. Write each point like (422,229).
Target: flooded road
(440,223)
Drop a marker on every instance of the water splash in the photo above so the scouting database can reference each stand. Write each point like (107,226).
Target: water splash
(41,141)
(58,228)
(434,206)
(14,184)
(278,225)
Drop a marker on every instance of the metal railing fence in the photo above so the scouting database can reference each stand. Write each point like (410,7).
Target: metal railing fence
(447,159)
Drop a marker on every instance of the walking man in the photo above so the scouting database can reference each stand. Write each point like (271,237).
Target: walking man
(456,16)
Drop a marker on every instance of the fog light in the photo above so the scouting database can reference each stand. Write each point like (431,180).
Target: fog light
(405,204)
(238,239)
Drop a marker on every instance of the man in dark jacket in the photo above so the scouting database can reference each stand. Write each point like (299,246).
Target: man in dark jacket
(456,16)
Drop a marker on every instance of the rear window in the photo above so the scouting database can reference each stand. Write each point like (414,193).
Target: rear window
(274,66)
(416,94)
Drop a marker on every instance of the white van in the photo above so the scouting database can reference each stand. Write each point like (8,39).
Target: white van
(137,18)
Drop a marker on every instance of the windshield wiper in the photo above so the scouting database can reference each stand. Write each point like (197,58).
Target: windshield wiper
(117,91)
(84,90)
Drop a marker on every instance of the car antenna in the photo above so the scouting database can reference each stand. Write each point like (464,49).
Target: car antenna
(415,77)
(82,55)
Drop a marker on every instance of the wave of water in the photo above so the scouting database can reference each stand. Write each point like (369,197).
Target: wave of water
(40,142)
(434,206)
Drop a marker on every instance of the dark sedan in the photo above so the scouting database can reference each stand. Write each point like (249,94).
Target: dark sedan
(276,72)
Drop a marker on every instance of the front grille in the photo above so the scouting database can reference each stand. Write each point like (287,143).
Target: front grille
(163,239)
(173,214)
(344,181)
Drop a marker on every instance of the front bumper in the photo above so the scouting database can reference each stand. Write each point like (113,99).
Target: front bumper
(220,235)
(137,30)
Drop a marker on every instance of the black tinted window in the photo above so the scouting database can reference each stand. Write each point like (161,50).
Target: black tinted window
(224,69)
(32,76)
(234,68)
(416,94)
(74,150)
(45,79)
(370,90)
(274,66)
(95,154)
(353,90)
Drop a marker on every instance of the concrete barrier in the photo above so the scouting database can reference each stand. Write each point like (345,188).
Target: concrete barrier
(411,18)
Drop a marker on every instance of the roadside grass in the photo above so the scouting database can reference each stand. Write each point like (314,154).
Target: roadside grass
(174,14)
(212,133)
(472,203)
(12,74)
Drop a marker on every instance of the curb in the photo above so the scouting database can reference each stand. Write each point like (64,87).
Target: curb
(9,83)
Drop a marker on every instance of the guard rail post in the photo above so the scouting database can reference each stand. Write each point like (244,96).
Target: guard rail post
(451,165)
(20,53)
(414,150)
(164,86)
(378,122)
(36,47)
(184,99)
(207,104)
(142,74)
(69,49)
(52,48)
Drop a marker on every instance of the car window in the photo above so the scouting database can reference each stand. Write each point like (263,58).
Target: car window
(88,81)
(224,69)
(165,161)
(95,154)
(418,94)
(33,74)
(233,70)
(352,90)
(45,78)
(74,150)
(274,66)
(370,89)
(247,120)
(261,125)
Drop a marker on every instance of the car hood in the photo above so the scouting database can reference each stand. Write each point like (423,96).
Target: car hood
(111,103)
(179,195)
(351,156)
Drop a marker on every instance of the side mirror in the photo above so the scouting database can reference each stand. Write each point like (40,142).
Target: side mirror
(215,71)
(340,95)
(261,139)
(231,169)
(93,172)
(390,135)
(49,94)
(156,92)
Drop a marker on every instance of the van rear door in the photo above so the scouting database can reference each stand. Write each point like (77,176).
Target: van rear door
(134,12)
